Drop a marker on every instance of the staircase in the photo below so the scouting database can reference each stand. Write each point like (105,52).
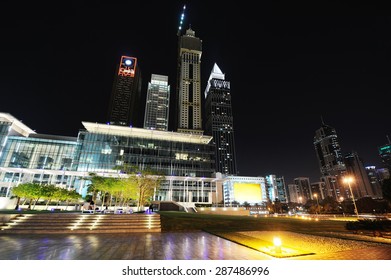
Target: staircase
(81,223)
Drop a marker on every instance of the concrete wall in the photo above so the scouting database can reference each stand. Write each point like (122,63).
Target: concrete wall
(7,203)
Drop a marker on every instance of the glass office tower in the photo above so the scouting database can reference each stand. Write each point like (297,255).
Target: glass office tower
(157,104)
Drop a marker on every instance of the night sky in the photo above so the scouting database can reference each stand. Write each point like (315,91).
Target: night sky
(57,68)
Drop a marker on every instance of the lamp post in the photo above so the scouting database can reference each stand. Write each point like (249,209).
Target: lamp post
(348,180)
(317,203)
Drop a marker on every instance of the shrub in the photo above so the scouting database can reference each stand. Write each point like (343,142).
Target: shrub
(369,224)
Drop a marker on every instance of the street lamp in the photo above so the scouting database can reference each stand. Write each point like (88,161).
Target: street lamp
(348,180)
(317,202)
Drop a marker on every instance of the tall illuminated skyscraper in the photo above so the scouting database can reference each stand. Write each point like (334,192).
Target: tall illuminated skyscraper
(219,121)
(189,83)
(126,93)
(157,104)
(328,151)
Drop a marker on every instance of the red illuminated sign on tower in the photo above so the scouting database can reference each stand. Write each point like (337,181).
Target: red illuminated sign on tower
(128,66)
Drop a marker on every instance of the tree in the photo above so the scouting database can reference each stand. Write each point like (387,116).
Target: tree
(102,185)
(329,204)
(28,191)
(21,191)
(146,183)
(48,192)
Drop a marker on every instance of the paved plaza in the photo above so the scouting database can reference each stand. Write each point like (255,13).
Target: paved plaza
(197,245)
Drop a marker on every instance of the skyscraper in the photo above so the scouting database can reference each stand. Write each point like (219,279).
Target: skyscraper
(328,151)
(189,83)
(361,185)
(219,121)
(385,154)
(375,181)
(125,95)
(157,104)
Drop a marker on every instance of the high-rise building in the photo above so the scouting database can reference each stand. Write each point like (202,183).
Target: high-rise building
(189,84)
(294,194)
(361,185)
(375,181)
(275,187)
(318,188)
(282,194)
(126,93)
(304,188)
(157,103)
(219,121)
(383,173)
(332,187)
(385,154)
(328,151)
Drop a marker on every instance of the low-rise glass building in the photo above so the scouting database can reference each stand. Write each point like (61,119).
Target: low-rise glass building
(186,160)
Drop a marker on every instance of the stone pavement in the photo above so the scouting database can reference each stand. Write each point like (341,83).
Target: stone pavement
(196,245)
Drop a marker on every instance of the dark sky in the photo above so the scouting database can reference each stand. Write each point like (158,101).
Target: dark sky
(57,65)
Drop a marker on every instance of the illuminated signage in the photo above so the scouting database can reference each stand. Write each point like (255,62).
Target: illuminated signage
(127,66)
(247,192)
(221,84)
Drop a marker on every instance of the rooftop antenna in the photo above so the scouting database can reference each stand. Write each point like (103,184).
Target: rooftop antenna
(321,118)
(182,18)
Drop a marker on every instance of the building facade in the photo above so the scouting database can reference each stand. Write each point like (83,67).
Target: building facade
(385,154)
(276,189)
(189,119)
(361,185)
(328,151)
(375,181)
(185,160)
(294,194)
(318,190)
(219,121)
(332,187)
(304,188)
(238,189)
(126,93)
(158,103)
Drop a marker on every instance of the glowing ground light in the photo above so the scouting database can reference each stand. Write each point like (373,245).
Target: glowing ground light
(277,244)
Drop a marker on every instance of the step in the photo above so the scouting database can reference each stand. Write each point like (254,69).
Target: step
(98,223)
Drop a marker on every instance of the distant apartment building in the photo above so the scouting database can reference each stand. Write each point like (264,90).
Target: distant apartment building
(276,189)
(319,189)
(304,188)
(332,187)
(361,185)
(294,194)
(374,180)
